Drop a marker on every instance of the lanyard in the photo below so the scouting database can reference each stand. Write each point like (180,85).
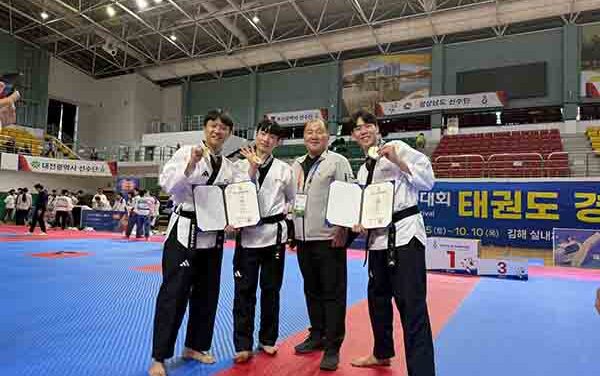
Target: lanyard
(311,173)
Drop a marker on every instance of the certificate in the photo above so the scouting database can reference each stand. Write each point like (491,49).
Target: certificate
(348,204)
(377,205)
(242,204)
(209,204)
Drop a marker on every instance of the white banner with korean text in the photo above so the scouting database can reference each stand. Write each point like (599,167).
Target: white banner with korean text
(43,165)
(444,102)
(298,117)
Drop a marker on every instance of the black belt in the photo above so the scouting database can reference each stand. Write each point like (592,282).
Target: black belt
(273,219)
(405,213)
(396,217)
(191,215)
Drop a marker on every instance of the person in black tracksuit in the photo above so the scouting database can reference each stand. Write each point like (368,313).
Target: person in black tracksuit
(39,209)
(396,254)
(321,248)
(191,264)
(260,249)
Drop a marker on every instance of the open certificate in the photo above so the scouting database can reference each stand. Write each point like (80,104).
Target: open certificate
(349,204)
(236,205)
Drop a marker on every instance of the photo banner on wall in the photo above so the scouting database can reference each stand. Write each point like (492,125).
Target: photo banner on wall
(519,214)
(44,165)
(443,102)
(298,117)
(577,247)
(385,78)
(590,61)
(126,184)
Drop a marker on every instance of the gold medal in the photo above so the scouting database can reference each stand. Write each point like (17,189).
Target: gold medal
(373,152)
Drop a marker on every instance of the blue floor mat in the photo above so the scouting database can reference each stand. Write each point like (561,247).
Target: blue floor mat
(540,327)
(93,315)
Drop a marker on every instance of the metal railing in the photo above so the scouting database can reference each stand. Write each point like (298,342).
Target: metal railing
(529,165)
(128,153)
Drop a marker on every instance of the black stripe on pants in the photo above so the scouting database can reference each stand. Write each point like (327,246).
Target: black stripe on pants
(38,217)
(188,276)
(406,283)
(251,265)
(324,271)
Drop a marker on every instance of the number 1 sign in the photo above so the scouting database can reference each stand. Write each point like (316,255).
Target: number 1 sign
(451,255)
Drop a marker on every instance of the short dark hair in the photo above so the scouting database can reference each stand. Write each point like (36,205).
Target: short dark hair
(219,115)
(271,127)
(367,117)
(64,191)
(38,186)
(11,191)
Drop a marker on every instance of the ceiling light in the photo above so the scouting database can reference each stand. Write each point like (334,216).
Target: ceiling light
(157,1)
(141,3)
(173,37)
(111,11)
(255,19)
(44,15)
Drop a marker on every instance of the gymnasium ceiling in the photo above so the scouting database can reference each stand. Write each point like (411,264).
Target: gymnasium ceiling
(170,39)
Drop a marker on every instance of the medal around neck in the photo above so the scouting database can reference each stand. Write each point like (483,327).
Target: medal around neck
(373,152)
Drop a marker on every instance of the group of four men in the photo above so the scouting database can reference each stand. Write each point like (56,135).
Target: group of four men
(192,259)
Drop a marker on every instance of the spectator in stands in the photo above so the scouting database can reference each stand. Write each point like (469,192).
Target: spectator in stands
(120,204)
(11,145)
(39,210)
(10,202)
(339,146)
(62,209)
(93,155)
(24,202)
(420,142)
(178,146)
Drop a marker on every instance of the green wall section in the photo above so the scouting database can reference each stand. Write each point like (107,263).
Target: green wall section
(16,56)
(511,50)
(299,89)
(230,94)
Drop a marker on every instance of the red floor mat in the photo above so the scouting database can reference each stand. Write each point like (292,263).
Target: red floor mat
(445,295)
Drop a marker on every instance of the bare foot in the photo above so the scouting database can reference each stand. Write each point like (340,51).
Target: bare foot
(269,350)
(201,356)
(242,357)
(370,361)
(157,369)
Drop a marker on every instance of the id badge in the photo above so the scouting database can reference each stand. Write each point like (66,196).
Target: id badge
(300,204)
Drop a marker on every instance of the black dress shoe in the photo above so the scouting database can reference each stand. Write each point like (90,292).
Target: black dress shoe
(330,361)
(309,345)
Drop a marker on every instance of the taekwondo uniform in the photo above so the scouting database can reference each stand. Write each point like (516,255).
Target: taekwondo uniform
(191,264)
(397,261)
(260,255)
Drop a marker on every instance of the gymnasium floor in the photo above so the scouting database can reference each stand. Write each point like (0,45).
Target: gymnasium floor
(82,304)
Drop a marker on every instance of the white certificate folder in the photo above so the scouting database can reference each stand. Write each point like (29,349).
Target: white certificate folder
(235,205)
(349,204)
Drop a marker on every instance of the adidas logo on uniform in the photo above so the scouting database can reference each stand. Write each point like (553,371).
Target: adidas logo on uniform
(237,274)
(185,264)
(205,173)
